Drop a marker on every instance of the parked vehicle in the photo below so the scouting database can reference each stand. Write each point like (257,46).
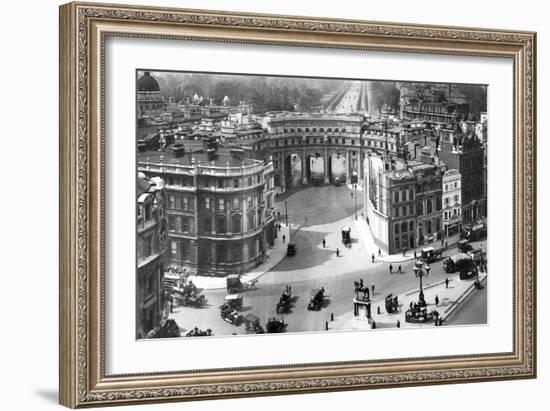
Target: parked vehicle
(346,235)
(474,233)
(291,248)
(316,299)
(431,254)
(458,262)
(392,304)
(275,325)
(252,323)
(429,239)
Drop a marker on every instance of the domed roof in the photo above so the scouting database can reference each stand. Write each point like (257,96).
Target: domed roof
(147,83)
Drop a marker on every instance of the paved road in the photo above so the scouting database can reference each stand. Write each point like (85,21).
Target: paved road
(328,210)
(349,101)
(472,311)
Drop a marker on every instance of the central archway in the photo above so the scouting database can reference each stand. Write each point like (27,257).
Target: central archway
(338,167)
(316,169)
(293,170)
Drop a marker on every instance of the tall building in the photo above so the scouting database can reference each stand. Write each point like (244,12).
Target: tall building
(403,202)
(151,247)
(452,202)
(220,207)
(465,153)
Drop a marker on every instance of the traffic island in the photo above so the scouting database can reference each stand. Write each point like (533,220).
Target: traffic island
(394,311)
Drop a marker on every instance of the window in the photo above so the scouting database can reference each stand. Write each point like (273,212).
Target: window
(221,204)
(236,204)
(220,222)
(235,183)
(236,223)
(172,201)
(220,183)
(185,203)
(419,208)
(251,221)
(250,202)
(174,248)
(396,229)
(258,179)
(429,206)
(456,198)
(396,196)
(208,224)
(447,201)
(403,195)
(207,203)
(249,181)
(186,224)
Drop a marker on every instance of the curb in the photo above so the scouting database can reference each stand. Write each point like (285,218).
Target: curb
(460,299)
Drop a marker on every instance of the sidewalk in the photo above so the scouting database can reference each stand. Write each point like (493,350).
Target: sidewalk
(449,300)
(274,256)
(371,248)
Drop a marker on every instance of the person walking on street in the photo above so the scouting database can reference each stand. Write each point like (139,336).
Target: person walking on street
(373,257)
(415,254)
(399,269)
(372,289)
(284,238)
(379,253)
(447,282)
(337,252)
(436,300)
(324,243)
(391,269)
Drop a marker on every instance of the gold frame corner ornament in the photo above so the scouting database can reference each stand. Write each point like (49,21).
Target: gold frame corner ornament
(83,29)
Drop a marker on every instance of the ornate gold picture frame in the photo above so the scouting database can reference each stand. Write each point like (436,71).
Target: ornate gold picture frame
(84,29)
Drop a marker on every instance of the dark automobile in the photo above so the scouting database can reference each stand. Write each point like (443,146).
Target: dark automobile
(252,323)
(275,325)
(458,262)
(346,235)
(464,246)
(291,248)
(316,299)
(230,315)
(283,306)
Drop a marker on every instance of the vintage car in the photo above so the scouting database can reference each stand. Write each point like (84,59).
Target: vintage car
(252,324)
(233,283)
(392,304)
(188,296)
(316,299)
(234,301)
(230,315)
(458,262)
(291,248)
(283,306)
(346,235)
(469,273)
(275,325)
(431,254)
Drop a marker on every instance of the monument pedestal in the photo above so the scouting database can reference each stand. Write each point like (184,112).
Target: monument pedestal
(362,309)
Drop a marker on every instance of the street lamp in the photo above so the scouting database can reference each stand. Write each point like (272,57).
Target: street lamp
(355,199)
(286,218)
(420,271)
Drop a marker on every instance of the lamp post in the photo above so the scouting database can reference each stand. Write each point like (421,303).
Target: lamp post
(355,199)
(286,218)
(421,270)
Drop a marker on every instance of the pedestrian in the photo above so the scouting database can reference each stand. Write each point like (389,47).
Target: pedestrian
(289,290)
(436,300)
(399,269)
(361,283)
(373,257)
(447,282)
(284,238)
(446,245)
(398,324)
(442,242)
(279,217)
(415,254)
(391,269)
(379,253)
(337,252)
(279,226)
(324,243)
(171,306)
(372,289)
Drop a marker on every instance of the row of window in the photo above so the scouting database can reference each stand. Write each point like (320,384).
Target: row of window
(314,130)
(404,211)
(447,215)
(451,186)
(221,226)
(181,202)
(221,205)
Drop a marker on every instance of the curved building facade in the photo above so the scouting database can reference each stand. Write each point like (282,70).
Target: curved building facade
(219,208)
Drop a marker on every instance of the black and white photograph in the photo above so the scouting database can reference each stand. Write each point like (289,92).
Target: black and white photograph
(273,204)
